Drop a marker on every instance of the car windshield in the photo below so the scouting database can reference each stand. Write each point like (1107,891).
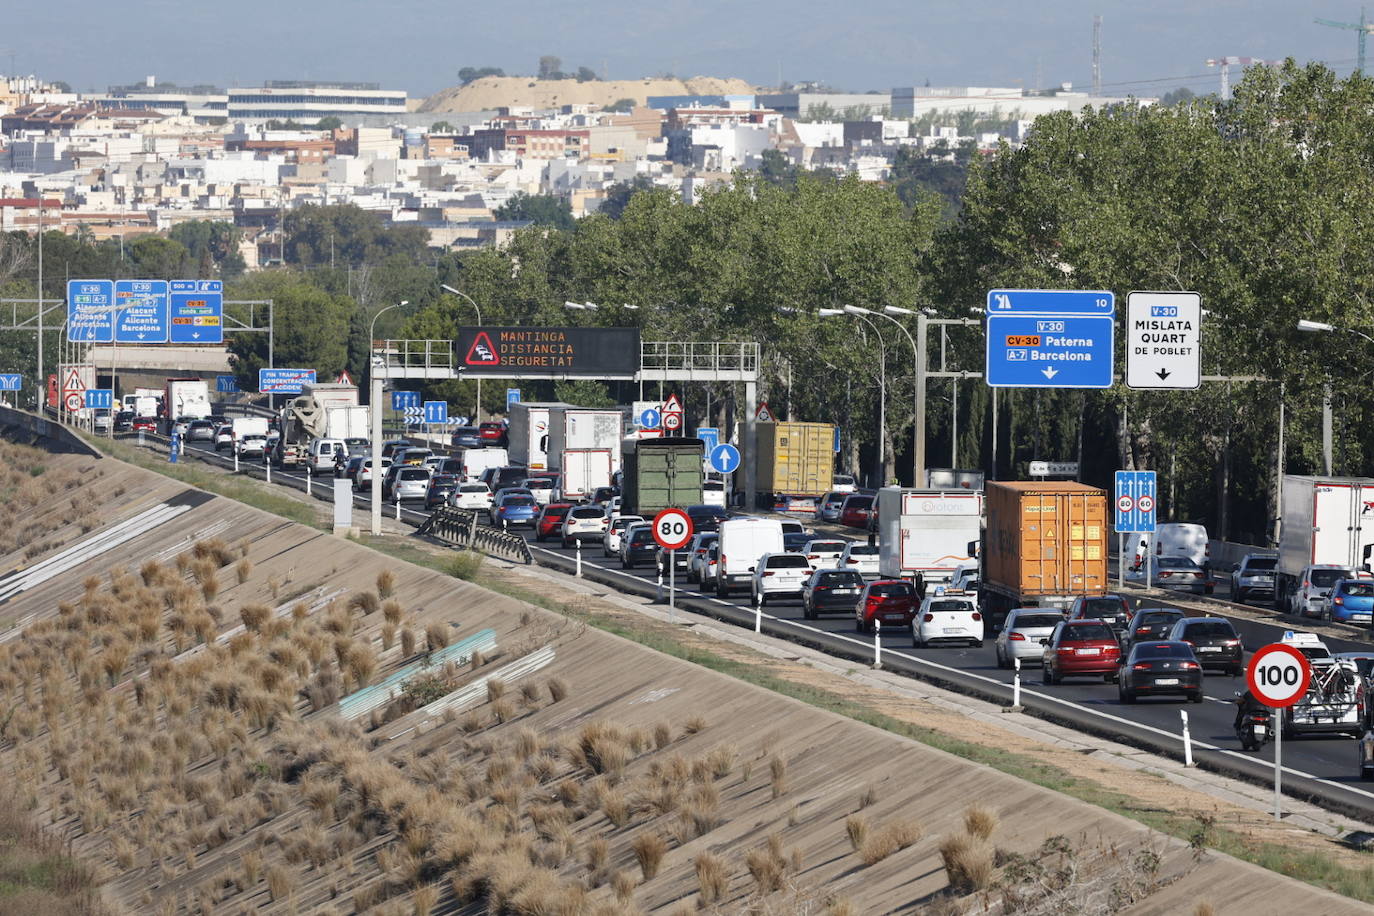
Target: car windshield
(825,547)
(587,512)
(787,561)
(858,502)
(443,480)
(949,604)
(1364,663)
(863,550)
(473,488)
(794,541)
(1087,632)
(1162,650)
(840,579)
(414,474)
(1325,578)
(1100,607)
(641,535)
(1154,618)
(518,501)
(1359,589)
(1262,563)
(556,511)
(1175,563)
(1034,621)
(1206,628)
(539,484)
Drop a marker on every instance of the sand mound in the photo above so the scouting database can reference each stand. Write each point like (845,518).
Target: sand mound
(510,91)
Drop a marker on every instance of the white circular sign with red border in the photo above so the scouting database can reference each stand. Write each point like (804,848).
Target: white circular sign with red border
(672,529)
(75,400)
(1278,675)
(1124,503)
(1146,503)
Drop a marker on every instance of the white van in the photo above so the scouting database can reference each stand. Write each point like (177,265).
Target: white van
(1178,539)
(742,542)
(322,453)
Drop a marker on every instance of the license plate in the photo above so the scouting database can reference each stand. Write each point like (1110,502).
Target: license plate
(897,617)
(844,591)
(1166,682)
(1209,648)
(954,629)
(1094,651)
(1260,729)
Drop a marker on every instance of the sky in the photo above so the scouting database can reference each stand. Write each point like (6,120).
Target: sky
(419,45)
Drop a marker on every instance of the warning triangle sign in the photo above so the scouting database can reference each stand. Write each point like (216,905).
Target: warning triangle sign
(73,381)
(672,405)
(764,415)
(344,378)
(482,352)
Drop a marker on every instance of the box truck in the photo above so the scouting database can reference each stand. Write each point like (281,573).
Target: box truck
(332,394)
(1045,544)
(1326,521)
(528,434)
(592,436)
(927,532)
(659,473)
(794,464)
(742,542)
(583,471)
(185,397)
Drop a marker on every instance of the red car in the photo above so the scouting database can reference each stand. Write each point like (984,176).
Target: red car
(549,524)
(493,434)
(893,601)
(148,424)
(856,511)
(1081,648)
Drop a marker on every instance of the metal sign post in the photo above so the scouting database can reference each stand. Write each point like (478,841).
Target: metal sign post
(1278,676)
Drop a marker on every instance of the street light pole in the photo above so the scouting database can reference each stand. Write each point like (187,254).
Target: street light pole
(477,412)
(375,402)
(1327,437)
(861,313)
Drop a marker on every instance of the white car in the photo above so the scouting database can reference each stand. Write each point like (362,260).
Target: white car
(1021,634)
(1315,582)
(475,496)
(859,557)
(946,617)
(824,553)
(828,506)
(709,564)
(224,437)
(713,493)
(363,479)
(610,541)
(584,523)
(696,552)
(779,575)
(252,446)
(843,483)
(541,488)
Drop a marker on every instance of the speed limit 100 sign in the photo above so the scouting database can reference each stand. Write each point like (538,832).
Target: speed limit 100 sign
(1278,675)
(672,529)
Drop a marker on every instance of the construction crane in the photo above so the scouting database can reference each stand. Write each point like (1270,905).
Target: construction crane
(1364,27)
(1225,64)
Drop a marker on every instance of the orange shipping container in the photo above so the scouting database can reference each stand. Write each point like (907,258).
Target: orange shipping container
(1046,538)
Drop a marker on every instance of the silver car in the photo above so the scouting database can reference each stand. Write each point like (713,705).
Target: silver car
(410,482)
(1021,634)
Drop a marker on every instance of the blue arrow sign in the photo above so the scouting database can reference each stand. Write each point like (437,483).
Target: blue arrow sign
(11,382)
(141,315)
(99,398)
(724,458)
(226,384)
(709,436)
(89,315)
(1137,501)
(436,411)
(197,311)
(284,381)
(1050,302)
(404,400)
(1049,351)
(650,418)
(512,396)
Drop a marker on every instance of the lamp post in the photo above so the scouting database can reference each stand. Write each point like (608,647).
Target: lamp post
(477,412)
(1327,444)
(375,401)
(918,351)
(862,314)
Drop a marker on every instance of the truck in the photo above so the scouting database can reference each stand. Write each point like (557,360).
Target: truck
(794,464)
(332,394)
(1044,545)
(927,532)
(658,473)
(477,460)
(185,397)
(144,402)
(1322,523)
(248,426)
(528,434)
(583,471)
(584,444)
(324,416)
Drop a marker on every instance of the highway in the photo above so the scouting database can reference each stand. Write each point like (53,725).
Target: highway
(1322,769)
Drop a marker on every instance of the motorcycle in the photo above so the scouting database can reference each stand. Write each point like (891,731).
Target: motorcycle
(1256,728)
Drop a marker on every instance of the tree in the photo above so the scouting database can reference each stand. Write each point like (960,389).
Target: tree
(542,209)
(586,74)
(155,257)
(328,122)
(621,105)
(1177,97)
(468,74)
(618,195)
(212,246)
(583,393)
(346,234)
(442,127)
(549,67)
(310,327)
(775,168)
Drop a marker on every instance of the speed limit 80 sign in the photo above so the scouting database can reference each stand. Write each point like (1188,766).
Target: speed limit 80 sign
(1278,675)
(672,529)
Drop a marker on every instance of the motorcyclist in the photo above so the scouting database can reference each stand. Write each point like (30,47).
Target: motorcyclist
(1246,705)
(339,461)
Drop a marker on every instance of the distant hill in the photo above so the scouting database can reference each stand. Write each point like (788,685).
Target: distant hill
(516,91)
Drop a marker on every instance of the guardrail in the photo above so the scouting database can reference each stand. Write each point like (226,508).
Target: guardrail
(460,528)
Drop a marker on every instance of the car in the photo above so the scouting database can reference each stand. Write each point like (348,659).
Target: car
(441,487)
(392,446)
(843,483)
(124,421)
(434,463)
(1154,668)
(831,591)
(357,444)
(1214,640)
(1253,577)
(252,445)
(550,521)
(861,558)
(362,478)
(541,488)
(779,575)
(713,493)
(822,553)
(856,511)
(1350,601)
(795,541)
(793,503)
(1335,697)
(584,523)
(1364,664)
(966,577)
(706,518)
(637,545)
(102,419)
(199,431)
(145,424)
(610,540)
(1309,598)
(1110,609)
(1022,633)
(1080,648)
(499,478)
(466,437)
(709,566)
(224,437)
(681,562)
(471,495)
(492,434)
(414,455)
(696,553)
(1152,623)
(350,469)
(828,506)
(1177,574)
(944,617)
(179,426)
(742,541)
(602,496)
(514,508)
(405,482)
(320,454)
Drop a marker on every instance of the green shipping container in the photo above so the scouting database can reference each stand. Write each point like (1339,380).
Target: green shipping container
(661,473)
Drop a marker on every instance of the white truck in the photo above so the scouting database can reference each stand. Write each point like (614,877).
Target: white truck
(742,541)
(927,532)
(144,402)
(527,437)
(477,460)
(1326,521)
(584,444)
(186,397)
(248,426)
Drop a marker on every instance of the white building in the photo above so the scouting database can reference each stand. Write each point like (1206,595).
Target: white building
(285,100)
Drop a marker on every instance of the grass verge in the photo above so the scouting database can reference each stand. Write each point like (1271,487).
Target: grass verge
(36,876)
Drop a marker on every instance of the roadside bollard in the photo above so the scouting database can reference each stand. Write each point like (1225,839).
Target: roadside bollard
(268,466)
(1016,683)
(236,461)
(658,586)
(758,613)
(141,443)
(577,545)
(1187,740)
(877,643)
(309,476)
(398,507)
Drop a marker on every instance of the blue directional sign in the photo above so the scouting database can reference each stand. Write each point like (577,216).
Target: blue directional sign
(401,400)
(226,384)
(724,458)
(99,398)
(436,411)
(709,436)
(11,381)
(836,447)
(650,418)
(140,311)
(284,381)
(512,396)
(1050,351)
(1050,302)
(1137,502)
(197,311)
(89,311)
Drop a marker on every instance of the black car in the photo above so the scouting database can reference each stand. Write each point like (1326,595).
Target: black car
(453,466)
(440,486)
(681,561)
(638,548)
(796,542)
(1214,641)
(466,437)
(1160,668)
(603,495)
(124,421)
(706,518)
(831,590)
(1152,623)
(351,468)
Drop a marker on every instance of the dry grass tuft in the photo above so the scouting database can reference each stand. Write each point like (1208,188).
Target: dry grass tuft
(365,603)
(969,862)
(721,760)
(649,849)
(436,637)
(980,821)
(251,864)
(255,616)
(243,569)
(623,883)
(887,840)
(694,725)
(496,689)
(279,883)
(502,711)
(407,642)
(424,900)
(868,796)
(841,907)
(777,769)
(386,583)
(856,827)
(1204,909)
(767,866)
(663,735)
(713,878)
(615,806)
(558,690)
(391,610)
